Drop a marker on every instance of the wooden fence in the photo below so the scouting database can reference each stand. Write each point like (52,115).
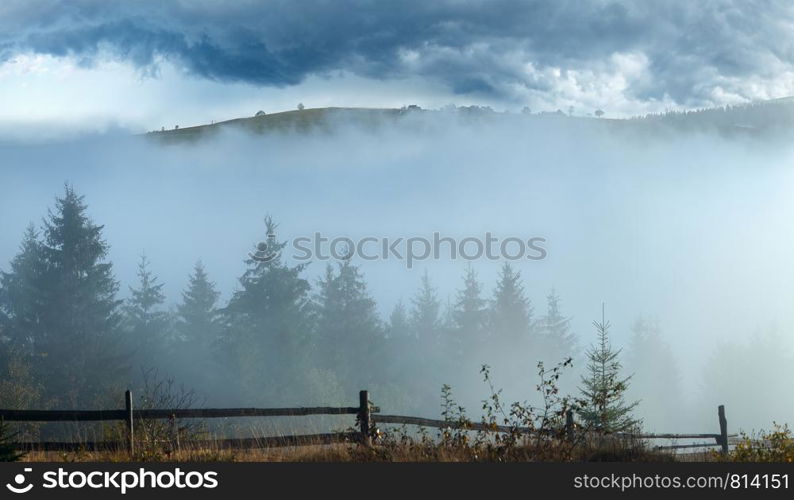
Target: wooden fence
(130,415)
(364,412)
(722,439)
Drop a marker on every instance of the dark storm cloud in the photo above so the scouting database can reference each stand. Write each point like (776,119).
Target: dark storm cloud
(472,47)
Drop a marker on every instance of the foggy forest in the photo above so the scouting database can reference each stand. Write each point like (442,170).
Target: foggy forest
(355,231)
(128,262)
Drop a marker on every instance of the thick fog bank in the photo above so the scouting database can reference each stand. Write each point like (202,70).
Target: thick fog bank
(692,231)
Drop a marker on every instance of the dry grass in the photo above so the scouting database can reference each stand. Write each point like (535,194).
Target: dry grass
(291,454)
(404,450)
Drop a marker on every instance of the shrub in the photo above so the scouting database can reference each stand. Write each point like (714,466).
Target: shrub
(774,446)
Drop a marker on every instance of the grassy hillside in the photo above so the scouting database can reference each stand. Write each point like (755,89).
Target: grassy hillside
(286,121)
(753,119)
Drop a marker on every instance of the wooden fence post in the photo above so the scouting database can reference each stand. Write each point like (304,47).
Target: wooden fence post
(174,428)
(128,415)
(364,417)
(723,429)
(569,425)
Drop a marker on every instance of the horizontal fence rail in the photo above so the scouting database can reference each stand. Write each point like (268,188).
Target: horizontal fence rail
(675,436)
(483,426)
(107,415)
(61,416)
(365,420)
(690,445)
(129,415)
(446,424)
(723,439)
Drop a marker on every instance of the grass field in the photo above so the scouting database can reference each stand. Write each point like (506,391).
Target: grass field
(396,446)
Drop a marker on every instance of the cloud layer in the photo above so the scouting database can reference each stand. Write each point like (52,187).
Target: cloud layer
(586,53)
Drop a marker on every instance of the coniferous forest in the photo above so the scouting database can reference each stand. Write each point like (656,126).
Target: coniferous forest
(74,337)
(376,231)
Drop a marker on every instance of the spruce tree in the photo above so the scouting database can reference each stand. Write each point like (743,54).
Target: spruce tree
(146,324)
(399,326)
(399,343)
(511,311)
(428,342)
(603,389)
(512,342)
(197,333)
(21,294)
(558,341)
(197,314)
(349,332)
(20,309)
(424,318)
(470,315)
(266,324)
(77,308)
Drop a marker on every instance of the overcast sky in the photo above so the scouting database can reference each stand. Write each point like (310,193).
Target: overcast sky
(94,64)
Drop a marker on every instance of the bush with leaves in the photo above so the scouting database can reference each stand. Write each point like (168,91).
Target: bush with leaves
(161,393)
(522,426)
(773,446)
(514,432)
(159,438)
(456,433)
